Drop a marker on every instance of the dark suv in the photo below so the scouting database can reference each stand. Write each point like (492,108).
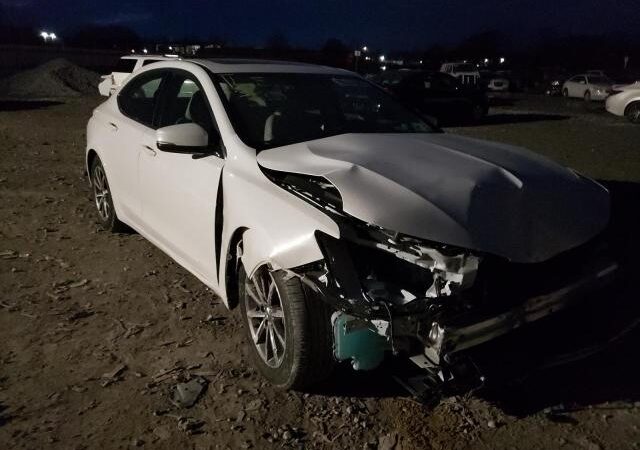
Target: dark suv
(436,94)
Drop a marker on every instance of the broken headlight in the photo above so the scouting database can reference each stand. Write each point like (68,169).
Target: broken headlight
(383,270)
(313,189)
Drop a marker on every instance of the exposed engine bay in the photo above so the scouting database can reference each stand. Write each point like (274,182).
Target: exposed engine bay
(430,302)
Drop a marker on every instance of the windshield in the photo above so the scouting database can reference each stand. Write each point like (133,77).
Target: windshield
(598,79)
(274,109)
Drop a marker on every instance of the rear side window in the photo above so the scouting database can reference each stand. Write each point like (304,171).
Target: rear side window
(125,65)
(149,61)
(138,98)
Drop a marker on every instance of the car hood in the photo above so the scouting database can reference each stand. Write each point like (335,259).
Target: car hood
(470,193)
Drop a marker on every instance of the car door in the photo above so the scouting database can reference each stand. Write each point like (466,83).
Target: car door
(577,86)
(180,191)
(136,104)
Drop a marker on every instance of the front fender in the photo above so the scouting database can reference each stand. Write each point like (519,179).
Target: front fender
(279,228)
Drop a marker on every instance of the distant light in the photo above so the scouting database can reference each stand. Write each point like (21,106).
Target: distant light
(170,48)
(145,51)
(464,62)
(502,60)
(384,67)
(486,60)
(420,61)
(44,35)
(53,36)
(368,58)
(364,49)
(133,51)
(381,58)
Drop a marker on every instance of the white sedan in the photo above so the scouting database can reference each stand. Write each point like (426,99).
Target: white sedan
(341,223)
(625,101)
(587,86)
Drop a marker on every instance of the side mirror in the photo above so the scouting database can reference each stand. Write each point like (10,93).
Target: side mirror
(183,138)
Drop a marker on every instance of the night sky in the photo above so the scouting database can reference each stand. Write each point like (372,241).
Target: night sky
(383,24)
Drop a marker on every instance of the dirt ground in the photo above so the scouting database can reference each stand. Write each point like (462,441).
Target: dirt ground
(96,328)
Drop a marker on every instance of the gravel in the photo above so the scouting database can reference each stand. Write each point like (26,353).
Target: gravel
(54,79)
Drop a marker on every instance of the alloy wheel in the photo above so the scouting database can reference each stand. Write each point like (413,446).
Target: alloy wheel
(101,193)
(266,317)
(634,113)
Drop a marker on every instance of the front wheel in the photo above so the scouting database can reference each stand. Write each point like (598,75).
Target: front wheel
(565,92)
(587,96)
(287,328)
(632,113)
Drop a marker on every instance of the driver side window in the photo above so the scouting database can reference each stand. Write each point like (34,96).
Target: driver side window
(184,101)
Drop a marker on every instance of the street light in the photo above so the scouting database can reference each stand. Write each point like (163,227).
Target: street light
(364,49)
(46,36)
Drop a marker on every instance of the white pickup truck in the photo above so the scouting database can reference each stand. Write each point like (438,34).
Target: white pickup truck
(125,67)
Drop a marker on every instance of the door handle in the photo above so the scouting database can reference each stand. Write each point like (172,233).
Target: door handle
(149,150)
(113,126)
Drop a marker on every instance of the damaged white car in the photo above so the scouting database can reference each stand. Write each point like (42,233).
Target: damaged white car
(341,223)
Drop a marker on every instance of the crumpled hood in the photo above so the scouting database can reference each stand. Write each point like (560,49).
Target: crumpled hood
(470,193)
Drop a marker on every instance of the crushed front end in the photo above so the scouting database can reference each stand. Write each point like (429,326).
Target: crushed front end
(431,302)
(428,301)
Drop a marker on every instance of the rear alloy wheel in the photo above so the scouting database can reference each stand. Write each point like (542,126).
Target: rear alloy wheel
(587,96)
(287,327)
(632,113)
(103,200)
(477,113)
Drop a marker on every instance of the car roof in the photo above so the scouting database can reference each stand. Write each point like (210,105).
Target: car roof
(237,65)
(161,57)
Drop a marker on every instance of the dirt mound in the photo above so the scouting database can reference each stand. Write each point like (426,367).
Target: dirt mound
(56,78)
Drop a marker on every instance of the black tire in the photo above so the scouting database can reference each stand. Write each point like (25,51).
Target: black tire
(632,112)
(478,112)
(565,93)
(102,198)
(587,96)
(308,351)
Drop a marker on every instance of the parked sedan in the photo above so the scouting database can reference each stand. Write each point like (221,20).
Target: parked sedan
(625,101)
(343,225)
(588,86)
(437,95)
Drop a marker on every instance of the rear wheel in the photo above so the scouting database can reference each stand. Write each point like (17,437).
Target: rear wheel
(287,328)
(103,199)
(478,112)
(632,113)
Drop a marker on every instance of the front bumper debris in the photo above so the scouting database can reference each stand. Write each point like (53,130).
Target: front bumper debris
(433,304)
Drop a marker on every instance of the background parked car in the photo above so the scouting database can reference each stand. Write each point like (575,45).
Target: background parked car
(436,94)
(587,86)
(625,101)
(498,82)
(126,66)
